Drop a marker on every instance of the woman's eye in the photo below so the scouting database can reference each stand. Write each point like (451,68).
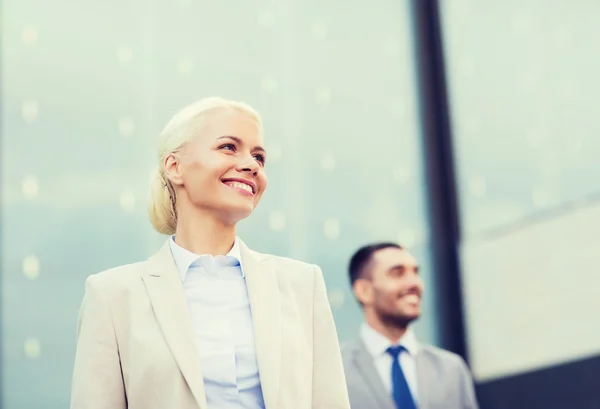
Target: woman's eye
(228,146)
(260,158)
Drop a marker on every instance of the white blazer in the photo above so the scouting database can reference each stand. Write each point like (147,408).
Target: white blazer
(136,348)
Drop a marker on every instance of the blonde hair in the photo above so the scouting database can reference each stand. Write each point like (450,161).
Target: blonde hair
(182,128)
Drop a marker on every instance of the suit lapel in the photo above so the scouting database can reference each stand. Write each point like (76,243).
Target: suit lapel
(165,290)
(263,292)
(363,363)
(425,378)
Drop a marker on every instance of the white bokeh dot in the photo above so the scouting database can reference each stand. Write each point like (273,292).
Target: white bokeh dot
(391,47)
(319,30)
(126,126)
(478,186)
(540,197)
(398,108)
(30,187)
(327,162)
(466,67)
(31,267)
(265,19)
(574,146)
(530,79)
(127,201)
(567,89)
(269,85)
(337,298)
(29,110)
(407,238)
(277,220)
(463,8)
(401,174)
(124,54)
(185,65)
(520,23)
(29,35)
(331,229)
(32,348)
(562,36)
(535,138)
(274,153)
(472,126)
(323,95)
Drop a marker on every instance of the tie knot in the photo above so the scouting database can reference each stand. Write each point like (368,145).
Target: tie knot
(395,351)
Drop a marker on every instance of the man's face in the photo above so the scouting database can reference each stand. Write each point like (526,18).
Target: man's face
(392,286)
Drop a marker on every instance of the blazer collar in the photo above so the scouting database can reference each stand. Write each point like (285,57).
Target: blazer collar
(169,304)
(263,291)
(364,366)
(165,290)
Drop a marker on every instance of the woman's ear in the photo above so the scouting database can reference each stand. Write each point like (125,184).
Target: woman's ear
(173,169)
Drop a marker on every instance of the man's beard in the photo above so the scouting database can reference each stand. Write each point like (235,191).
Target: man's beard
(396,320)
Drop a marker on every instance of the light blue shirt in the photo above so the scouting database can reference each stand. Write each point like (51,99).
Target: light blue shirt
(215,289)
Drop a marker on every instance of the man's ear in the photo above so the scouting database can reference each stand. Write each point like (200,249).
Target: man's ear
(363,291)
(173,169)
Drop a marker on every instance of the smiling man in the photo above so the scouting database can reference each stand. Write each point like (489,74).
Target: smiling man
(386,367)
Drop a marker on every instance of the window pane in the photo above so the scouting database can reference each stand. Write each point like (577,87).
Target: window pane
(83,105)
(524,80)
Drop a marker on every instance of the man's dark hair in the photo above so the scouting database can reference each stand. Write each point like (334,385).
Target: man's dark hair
(362,257)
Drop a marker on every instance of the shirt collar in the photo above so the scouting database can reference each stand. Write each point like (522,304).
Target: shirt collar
(185,258)
(377,344)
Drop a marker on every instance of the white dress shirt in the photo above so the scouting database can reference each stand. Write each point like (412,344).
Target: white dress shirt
(215,289)
(377,345)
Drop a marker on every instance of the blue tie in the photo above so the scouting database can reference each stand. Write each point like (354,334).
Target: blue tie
(400,389)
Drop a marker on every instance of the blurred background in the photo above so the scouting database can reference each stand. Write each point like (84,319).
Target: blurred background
(465,130)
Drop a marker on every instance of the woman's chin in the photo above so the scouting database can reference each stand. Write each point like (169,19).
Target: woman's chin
(235,213)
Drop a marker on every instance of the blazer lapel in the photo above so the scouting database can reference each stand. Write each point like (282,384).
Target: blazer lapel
(363,362)
(165,290)
(425,379)
(263,292)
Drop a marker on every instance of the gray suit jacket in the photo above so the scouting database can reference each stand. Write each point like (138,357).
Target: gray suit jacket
(444,382)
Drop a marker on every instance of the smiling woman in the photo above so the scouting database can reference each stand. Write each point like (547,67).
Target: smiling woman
(206,321)
(193,169)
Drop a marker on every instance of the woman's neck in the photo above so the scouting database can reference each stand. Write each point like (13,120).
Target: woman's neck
(202,233)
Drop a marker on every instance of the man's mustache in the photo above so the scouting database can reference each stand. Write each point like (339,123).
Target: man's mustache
(411,291)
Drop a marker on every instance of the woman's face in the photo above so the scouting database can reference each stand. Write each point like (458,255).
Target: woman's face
(221,170)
